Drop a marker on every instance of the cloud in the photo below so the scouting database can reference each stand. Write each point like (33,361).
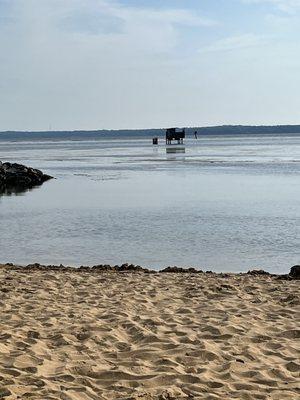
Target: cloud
(89,22)
(287,6)
(88,63)
(138,28)
(91,16)
(236,43)
(284,23)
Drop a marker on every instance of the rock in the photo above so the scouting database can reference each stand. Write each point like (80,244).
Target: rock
(17,177)
(258,272)
(33,335)
(180,270)
(35,266)
(123,268)
(102,268)
(131,268)
(222,275)
(285,277)
(84,268)
(295,272)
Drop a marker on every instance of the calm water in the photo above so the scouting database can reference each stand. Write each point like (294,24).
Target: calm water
(227,203)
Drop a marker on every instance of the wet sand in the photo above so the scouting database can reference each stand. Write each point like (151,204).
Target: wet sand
(76,335)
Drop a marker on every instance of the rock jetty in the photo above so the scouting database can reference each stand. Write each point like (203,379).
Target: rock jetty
(20,176)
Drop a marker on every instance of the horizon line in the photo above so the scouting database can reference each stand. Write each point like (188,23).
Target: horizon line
(150,129)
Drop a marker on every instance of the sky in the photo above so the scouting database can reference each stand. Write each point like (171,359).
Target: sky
(130,64)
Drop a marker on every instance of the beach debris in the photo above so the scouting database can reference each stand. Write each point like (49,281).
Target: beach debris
(131,268)
(180,270)
(101,268)
(33,334)
(258,272)
(122,268)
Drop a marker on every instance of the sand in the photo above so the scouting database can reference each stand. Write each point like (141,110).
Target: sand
(79,336)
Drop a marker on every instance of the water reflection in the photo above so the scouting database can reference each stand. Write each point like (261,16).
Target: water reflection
(155,150)
(15,190)
(174,152)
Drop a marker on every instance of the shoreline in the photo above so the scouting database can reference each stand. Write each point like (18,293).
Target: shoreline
(131,268)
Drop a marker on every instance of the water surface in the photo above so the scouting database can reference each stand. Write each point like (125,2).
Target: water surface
(227,203)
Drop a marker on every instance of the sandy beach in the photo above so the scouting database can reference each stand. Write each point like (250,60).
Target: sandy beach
(77,335)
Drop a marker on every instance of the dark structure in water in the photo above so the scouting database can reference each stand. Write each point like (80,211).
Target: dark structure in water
(175,134)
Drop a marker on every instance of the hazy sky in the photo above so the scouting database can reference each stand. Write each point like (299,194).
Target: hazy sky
(93,64)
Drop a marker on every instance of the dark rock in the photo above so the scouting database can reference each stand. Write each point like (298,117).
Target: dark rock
(33,334)
(36,266)
(222,275)
(18,177)
(180,270)
(131,268)
(258,272)
(81,336)
(102,268)
(295,272)
(40,267)
(193,270)
(84,268)
(285,277)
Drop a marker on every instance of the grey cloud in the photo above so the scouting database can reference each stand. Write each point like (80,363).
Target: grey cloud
(287,6)
(237,42)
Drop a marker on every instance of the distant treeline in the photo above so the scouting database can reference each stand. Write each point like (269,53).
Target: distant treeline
(116,134)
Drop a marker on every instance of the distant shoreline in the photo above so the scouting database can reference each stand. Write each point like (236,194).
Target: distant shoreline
(225,130)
